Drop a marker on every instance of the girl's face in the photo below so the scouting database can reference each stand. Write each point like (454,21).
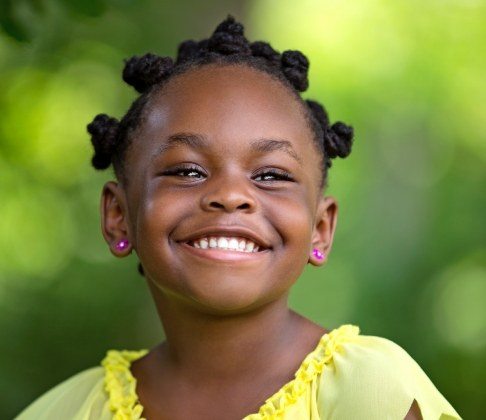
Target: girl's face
(222,183)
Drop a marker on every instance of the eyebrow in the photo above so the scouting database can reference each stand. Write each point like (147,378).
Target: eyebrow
(198,141)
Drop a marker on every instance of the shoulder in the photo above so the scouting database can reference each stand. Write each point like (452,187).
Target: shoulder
(369,376)
(72,398)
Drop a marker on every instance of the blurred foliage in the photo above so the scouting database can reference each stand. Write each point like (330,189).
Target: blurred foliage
(14,14)
(409,256)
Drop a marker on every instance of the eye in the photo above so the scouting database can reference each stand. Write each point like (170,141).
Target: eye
(280,176)
(185,169)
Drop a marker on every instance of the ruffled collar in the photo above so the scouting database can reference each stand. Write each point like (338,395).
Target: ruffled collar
(275,406)
(120,384)
(125,405)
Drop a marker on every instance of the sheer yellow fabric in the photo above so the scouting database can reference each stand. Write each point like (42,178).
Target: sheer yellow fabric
(347,376)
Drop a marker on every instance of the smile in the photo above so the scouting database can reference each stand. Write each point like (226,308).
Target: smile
(221,254)
(238,244)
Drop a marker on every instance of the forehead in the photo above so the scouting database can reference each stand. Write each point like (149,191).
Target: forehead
(229,105)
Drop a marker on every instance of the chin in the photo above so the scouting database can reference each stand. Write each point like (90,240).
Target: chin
(226,299)
(227,293)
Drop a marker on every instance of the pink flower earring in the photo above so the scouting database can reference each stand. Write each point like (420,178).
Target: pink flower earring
(318,254)
(122,245)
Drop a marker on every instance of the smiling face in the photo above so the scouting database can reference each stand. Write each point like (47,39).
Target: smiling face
(200,160)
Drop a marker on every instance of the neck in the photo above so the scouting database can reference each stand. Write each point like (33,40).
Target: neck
(204,347)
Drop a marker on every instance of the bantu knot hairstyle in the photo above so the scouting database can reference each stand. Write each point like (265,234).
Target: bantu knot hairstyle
(104,131)
(227,45)
(338,138)
(294,67)
(228,39)
(144,72)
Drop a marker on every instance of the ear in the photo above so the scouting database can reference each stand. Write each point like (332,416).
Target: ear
(325,225)
(114,216)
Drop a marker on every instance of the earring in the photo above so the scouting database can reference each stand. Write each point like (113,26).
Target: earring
(318,254)
(122,245)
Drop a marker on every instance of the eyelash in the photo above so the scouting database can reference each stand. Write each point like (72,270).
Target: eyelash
(282,176)
(178,169)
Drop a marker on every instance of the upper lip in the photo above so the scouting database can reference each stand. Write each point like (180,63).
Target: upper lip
(227,231)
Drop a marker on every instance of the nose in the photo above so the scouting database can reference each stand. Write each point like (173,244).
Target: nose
(228,193)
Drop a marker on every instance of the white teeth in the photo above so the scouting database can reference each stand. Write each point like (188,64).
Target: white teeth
(222,243)
(229,243)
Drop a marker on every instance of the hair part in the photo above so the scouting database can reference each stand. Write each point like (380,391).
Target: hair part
(149,73)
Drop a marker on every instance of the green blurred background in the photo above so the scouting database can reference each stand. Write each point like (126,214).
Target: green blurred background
(408,261)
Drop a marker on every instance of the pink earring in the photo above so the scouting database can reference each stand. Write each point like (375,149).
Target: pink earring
(318,254)
(121,245)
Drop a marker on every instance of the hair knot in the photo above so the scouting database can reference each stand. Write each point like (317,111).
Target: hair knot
(295,66)
(339,140)
(265,50)
(145,71)
(230,26)
(228,38)
(319,113)
(191,50)
(104,131)
(187,50)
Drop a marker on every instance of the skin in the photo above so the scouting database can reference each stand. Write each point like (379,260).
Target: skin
(226,323)
(414,412)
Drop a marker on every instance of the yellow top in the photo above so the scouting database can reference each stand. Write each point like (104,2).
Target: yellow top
(347,376)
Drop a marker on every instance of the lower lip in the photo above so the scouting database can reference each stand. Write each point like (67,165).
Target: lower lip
(222,255)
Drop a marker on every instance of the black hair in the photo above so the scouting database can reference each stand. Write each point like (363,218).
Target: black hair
(227,45)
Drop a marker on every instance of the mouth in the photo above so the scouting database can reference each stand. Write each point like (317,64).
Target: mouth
(222,254)
(226,243)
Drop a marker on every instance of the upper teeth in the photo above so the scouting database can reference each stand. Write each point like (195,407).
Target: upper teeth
(233,243)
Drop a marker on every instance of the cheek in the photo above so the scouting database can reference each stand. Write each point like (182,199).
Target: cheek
(292,219)
(158,216)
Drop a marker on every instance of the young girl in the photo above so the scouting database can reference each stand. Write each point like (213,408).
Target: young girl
(220,168)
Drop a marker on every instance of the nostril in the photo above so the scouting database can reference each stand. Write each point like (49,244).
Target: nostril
(244,206)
